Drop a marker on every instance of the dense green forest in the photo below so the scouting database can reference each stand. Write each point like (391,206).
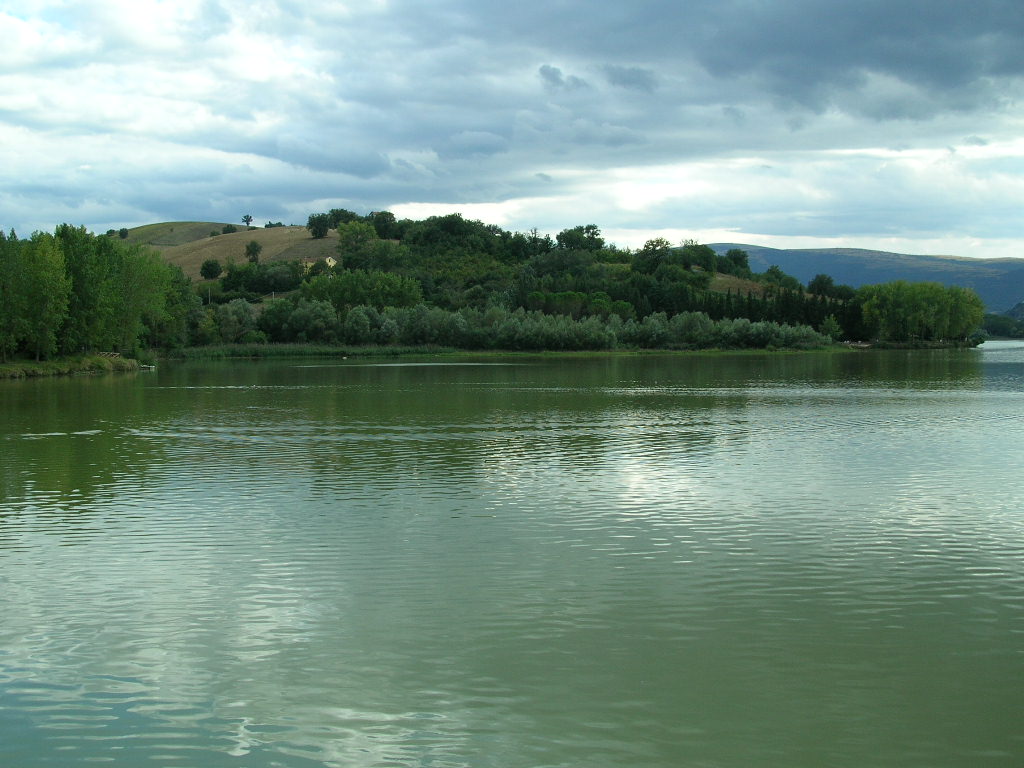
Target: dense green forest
(449,281)
(73,292)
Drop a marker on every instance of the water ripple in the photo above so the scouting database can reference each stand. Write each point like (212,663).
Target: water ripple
(548,568)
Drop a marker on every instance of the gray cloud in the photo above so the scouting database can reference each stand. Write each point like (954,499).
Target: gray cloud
(553,77)
(636,78)
(282,105)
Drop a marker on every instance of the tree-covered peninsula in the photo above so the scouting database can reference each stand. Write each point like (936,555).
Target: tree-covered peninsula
(444,281)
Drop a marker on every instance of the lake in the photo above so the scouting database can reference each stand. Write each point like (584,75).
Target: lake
(717,561)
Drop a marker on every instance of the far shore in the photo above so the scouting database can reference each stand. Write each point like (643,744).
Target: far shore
(96,363)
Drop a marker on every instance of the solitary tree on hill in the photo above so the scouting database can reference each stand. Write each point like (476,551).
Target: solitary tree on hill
(247,219)
(318,224)
(252,250)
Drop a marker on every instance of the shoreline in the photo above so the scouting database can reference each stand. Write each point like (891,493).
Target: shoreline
(97,364)
(282,351)
(67,366)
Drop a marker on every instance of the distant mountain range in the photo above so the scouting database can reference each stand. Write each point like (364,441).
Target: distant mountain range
(999,282)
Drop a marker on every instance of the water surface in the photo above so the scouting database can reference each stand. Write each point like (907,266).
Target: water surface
(720,561)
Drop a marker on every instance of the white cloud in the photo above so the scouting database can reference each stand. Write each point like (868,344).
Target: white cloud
(659,119)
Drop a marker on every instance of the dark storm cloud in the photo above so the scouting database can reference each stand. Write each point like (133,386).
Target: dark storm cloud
(798,46)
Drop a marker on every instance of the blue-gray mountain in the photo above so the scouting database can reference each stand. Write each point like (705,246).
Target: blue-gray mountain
(999,282)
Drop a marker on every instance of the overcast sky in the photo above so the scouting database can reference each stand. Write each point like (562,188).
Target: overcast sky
(893,124)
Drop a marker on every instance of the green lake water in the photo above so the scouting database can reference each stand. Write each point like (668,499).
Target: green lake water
(734,561)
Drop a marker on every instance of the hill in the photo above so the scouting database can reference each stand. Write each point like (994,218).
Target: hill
(169,233)
(188,243)
(999,282)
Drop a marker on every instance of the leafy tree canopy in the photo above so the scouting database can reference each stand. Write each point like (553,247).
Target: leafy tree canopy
(210,269)
(318,225)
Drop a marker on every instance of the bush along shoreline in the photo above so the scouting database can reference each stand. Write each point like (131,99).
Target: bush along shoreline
(65,366)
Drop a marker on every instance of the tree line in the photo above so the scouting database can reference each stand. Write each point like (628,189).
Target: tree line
(71,292)
(305,320)
(452,281)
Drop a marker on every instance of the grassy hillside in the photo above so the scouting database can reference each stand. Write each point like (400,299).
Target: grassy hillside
(725,283)
(188,244)
(168,233)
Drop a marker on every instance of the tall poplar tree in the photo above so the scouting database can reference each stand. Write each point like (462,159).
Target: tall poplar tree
(12,299)
(91,264)
(47,289)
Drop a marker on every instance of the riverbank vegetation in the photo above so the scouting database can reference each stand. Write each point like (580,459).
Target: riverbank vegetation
(62,366)
(449,282)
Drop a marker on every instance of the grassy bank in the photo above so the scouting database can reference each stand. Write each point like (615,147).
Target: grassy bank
(224,351)
(258,351)
(971,344)
(20,369)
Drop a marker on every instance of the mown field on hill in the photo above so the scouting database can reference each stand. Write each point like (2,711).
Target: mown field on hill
(188,244)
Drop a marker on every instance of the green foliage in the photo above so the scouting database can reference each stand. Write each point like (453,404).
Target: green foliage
(211,269)
(299,321)
(92,264)
(182,311)
(1002,325)
(502,329)
(355,244)
(907,312)
(253,250)
(46,289)
(577,304)
(384,224)
(66,365)
(338,216)
(235,321)
(123,233)
(738,263)
(261,279)
(774,276)
(272,224)
(586,237)
(830,327)
(12,295)
(227,229)
(349,288)
(653,255)
(247,220)
(821,285)
(699,255)
(73,292)
(452,234)
(144,283)
(445,281)
(318,225)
